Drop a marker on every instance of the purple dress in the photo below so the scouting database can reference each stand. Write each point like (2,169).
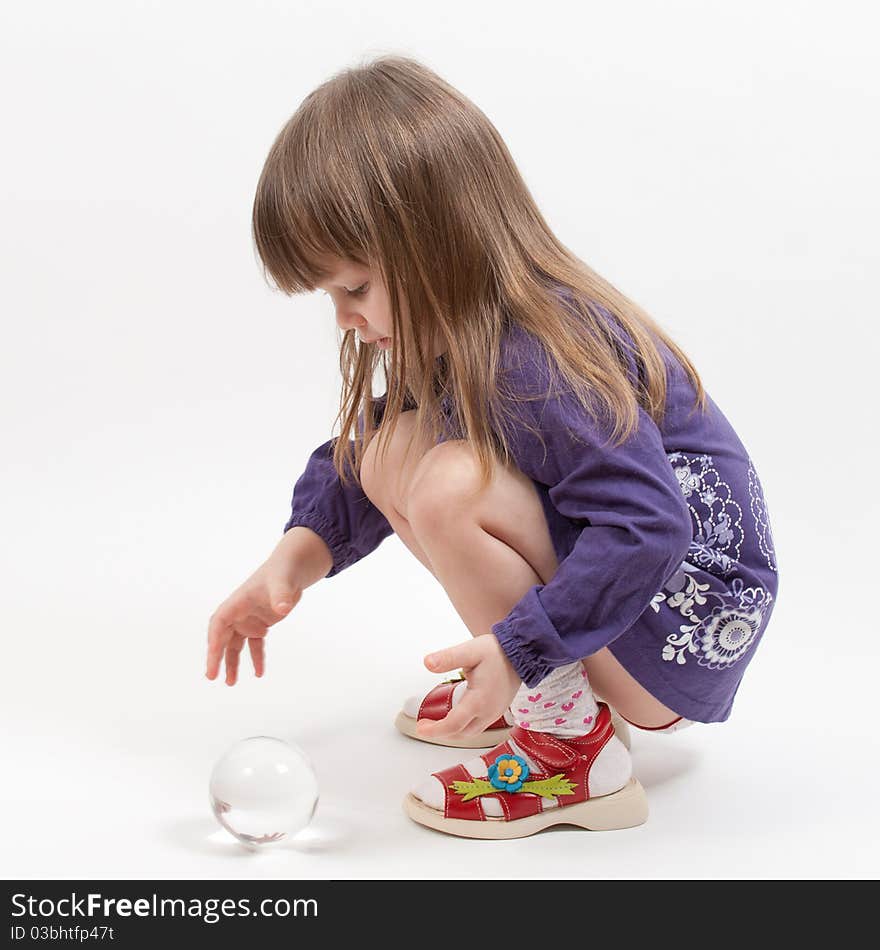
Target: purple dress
(664,543)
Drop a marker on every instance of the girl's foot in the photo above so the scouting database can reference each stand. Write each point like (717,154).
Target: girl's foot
(534,780)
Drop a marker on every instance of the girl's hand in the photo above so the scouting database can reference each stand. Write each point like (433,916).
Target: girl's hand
(492,684)
(266,597)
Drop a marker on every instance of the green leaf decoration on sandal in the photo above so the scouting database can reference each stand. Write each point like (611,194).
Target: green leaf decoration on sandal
(469,790)
(508,773)
(551,787)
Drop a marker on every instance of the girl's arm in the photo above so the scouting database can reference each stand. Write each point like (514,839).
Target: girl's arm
(636,525)
(344,518)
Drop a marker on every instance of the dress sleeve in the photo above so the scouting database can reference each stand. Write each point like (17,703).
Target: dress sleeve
(345,518)
(635,526)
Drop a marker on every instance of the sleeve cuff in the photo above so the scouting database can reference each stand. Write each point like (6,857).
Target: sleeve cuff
(528,666)
(530,640)
(340,549)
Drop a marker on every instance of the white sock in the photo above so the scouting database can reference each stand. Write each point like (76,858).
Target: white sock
(561,704)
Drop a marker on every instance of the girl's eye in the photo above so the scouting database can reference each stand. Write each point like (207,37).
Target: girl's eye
(357,292)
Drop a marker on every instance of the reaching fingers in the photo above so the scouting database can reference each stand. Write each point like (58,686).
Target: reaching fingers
(257,646)
(245,616)
(233,652)
(219,634)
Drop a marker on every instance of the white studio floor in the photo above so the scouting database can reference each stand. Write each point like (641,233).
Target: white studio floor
(106,772)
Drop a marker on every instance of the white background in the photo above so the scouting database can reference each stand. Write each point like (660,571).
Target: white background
(718,163)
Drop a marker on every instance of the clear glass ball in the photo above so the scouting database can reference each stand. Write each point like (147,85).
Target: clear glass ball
(263,790)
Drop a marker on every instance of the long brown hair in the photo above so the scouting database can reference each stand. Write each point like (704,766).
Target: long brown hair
(388,165)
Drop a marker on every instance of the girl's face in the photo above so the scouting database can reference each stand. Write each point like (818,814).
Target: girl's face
(362,303)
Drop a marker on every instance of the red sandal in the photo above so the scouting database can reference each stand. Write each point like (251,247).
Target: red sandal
(569,788)
(437,703)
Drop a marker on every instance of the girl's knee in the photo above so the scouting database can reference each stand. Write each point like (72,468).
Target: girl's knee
(443,482)
(387,460)
(448,493)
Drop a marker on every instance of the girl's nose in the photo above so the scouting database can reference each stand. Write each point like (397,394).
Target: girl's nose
(350,321)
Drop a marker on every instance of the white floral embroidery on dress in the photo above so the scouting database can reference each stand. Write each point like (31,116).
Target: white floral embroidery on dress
(762,518)
(721,635)
(719,535)
(718,639)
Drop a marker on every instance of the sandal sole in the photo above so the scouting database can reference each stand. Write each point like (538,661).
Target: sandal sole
(490,737)
(622,809)
(625,808)
(407,725)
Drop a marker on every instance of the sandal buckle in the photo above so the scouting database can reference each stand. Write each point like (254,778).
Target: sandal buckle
(458,678)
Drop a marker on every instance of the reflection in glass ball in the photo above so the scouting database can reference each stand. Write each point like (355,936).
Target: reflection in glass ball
(263,790)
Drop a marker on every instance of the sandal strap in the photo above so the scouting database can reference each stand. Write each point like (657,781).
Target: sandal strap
(519,805)
(557,753)
(455,807)
(438,702)
(575,756)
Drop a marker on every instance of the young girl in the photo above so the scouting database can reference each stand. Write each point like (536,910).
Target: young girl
(542,447)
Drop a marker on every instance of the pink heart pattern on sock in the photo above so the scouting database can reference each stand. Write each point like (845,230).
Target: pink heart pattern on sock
(563,714)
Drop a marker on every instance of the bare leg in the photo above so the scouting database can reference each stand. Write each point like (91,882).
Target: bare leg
(387,485)
(486,550)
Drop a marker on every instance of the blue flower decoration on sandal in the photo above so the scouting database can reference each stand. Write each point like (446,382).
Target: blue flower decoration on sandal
(508,772)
